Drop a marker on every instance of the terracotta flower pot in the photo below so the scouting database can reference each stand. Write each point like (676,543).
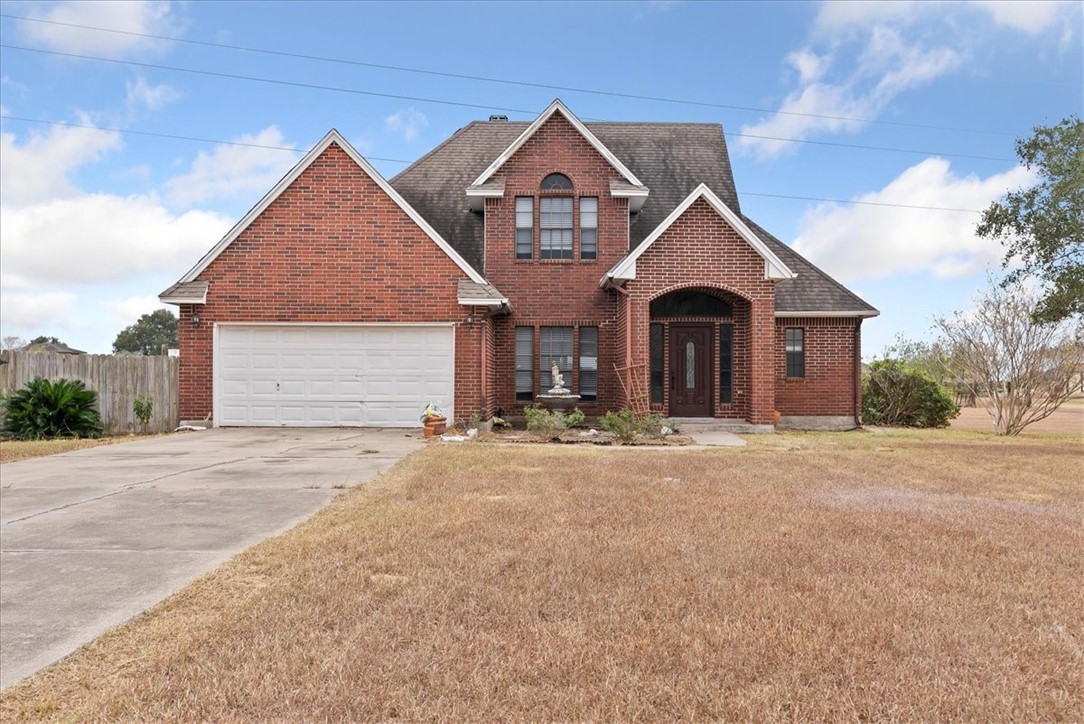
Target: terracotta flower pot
(775,417)
(435,426)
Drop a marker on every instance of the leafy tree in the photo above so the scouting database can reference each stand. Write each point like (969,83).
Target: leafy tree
(1019,370)
(1042,227)
(42,339)
(896,394)
(148,334)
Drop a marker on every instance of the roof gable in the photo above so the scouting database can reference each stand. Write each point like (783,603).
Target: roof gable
(558,107)
(332,137)
(774,268)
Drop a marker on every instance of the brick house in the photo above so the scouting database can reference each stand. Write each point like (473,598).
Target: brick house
(617,250)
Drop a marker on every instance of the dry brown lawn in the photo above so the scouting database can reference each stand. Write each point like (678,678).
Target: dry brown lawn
(861,576)
(1066,420)
(14,450)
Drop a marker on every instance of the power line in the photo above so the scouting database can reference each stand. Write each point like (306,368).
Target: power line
(419,99)
(399,160)
(505,81)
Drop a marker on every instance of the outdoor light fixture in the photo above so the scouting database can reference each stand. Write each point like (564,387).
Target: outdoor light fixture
(470,319)
(195,318)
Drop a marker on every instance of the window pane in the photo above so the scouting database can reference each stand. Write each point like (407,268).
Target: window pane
(795,351)
(555,216)
(726,363)
(524,227)
(556,181)
(589,227)
(588,363)
(656,364)
(524,363)
(556,346)
(690,365)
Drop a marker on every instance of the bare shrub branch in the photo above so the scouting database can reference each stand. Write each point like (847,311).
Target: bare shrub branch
(1021,371)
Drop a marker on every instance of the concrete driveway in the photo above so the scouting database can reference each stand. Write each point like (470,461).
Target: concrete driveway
(91,538)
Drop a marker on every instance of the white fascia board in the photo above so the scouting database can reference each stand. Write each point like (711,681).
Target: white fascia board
(183,300)
(477,197)
(828,315)
(333,136)
(476,302)
(558,106)
(774,268)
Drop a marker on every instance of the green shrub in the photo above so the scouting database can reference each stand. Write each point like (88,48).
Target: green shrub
(542,419)
(143,407)
(622,424)
(896,394)
(45,409)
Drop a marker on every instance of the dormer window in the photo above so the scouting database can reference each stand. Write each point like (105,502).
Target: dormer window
(556,182)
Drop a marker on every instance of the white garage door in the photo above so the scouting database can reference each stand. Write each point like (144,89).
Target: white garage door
(329,376)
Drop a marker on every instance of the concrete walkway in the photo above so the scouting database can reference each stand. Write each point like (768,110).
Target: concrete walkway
(710,435)
(91,538)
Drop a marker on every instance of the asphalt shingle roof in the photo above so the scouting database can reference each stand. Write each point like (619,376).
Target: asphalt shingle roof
(671,159)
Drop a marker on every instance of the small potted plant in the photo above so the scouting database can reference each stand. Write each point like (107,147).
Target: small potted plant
(433,420)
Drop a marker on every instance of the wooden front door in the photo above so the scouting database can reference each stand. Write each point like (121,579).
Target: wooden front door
(690,371)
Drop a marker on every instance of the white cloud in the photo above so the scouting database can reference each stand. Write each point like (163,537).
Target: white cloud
(886,67)
(100,239)
(869,242)
(142,95)
(809,65)
(37,311)
(126,312)
(409,122)
(1032,17)
(231,171)
(38,168)
(134,16)
(836,15)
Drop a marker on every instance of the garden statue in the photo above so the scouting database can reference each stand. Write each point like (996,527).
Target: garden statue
(558,380)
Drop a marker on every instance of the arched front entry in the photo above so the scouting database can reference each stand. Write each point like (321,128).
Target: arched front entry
(698,354)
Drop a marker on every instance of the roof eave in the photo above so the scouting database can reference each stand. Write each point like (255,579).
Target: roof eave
(865,313)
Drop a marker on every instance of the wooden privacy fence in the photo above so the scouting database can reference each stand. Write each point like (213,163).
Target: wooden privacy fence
(118,380)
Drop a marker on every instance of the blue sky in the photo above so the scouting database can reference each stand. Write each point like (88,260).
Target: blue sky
(96,220)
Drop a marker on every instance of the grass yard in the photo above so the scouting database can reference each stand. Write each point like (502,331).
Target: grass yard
(886,576)
(15,450)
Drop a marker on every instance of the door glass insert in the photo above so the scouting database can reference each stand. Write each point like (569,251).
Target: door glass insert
(690,365)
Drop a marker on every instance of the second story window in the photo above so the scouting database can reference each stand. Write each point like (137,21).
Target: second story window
(589,227)
(524,227)
(556,182)
(555,215)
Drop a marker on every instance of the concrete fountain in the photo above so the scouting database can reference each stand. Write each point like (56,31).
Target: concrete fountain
(558,398)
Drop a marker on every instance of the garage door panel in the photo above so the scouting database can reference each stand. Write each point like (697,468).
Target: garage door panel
(297,375)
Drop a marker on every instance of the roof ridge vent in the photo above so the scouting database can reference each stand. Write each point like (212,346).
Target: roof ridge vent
(496,117)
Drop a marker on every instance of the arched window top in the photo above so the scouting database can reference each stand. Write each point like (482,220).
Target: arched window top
(556,182)
(690,303)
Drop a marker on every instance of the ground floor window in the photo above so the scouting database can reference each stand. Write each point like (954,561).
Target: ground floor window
(588,363)
(726,363)
(524,363)
(795,349)
(556,346)
(657,370)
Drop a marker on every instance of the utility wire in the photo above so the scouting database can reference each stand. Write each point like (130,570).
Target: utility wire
(504,81)
(399,160)
(296,84)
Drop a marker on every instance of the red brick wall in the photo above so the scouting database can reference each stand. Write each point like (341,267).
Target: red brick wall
(332,248)
(556,292)
(701,250)
(831,385)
